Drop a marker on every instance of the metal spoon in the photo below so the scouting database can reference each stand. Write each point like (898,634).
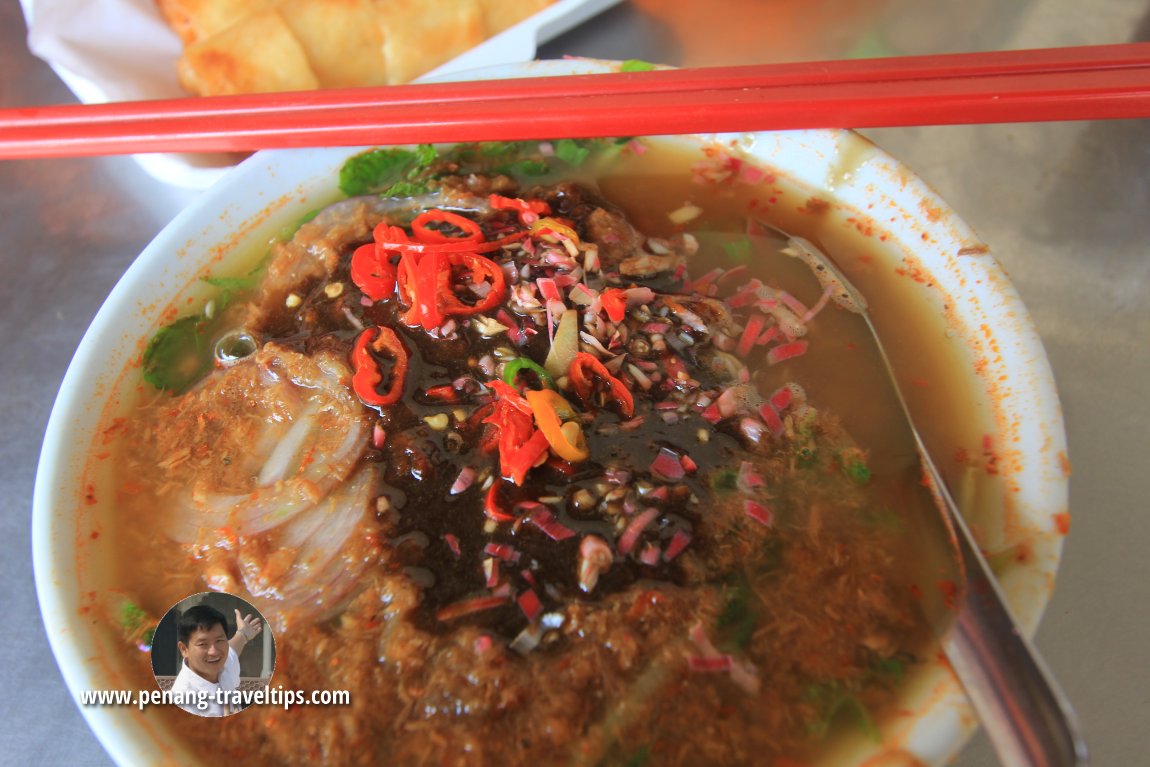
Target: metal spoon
(1025,713)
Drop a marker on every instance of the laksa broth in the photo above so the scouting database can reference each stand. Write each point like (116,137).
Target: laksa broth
(559,453)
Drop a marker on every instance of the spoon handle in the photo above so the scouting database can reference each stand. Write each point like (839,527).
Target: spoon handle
(1028,719)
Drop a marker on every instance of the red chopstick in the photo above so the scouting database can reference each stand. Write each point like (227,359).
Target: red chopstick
(1091,82)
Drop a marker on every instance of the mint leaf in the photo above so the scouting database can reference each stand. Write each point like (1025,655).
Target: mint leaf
(405,189)
(379,169)
(178,355)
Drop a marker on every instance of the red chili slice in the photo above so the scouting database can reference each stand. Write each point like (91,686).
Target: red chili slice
(465,246)
(405,277)
(585,368)
(520,444)
(421,231)
(493,508)
(424,284)
(482,269)
(615,303)
(524,457)
(367,375)
(526,208)
(372,273)
(429,275)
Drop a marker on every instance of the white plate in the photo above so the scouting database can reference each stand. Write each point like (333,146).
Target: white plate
(122,50)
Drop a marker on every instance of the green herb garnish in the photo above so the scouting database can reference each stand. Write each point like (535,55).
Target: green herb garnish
(137,626)
(738,251)
(636,65)
(640,757)
(231,283)
(892,668)
(527,168)
(178,355)
(289,230)
(571,152)
(521,365)
(806,456)
(132,617)
(737,621)
(833,702)
(504,149)
(853,462)
(406,189)
(882,518)
(379,169)
(724,480)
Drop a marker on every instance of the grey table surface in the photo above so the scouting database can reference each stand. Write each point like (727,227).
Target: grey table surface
(1064,206)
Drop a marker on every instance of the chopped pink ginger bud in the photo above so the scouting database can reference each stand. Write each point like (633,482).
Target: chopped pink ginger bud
(786,351)
(452,543)
(771,418)
(678,542)
(650,554)
(759,512)
(635,528)
(501,551)
(667,465)
(530,605)
(378,437)
(748,479)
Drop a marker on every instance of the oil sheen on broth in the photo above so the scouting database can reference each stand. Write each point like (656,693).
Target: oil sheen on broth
(693,538)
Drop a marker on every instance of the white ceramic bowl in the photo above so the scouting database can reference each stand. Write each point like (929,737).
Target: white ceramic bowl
(943,260)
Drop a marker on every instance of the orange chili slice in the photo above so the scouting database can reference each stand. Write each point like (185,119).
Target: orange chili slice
(553,416)
(584,371)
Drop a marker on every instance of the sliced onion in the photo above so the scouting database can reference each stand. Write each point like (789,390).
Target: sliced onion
(283,457)
(272,506)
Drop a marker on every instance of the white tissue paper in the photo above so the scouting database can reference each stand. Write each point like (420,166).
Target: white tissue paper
(119,50)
